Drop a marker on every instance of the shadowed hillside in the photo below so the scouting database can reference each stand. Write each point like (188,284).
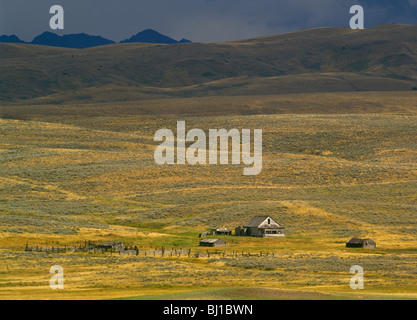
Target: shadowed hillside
(383,58)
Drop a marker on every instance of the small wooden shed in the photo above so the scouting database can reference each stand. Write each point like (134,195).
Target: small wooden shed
(221,232)
(212,243)
(361,243)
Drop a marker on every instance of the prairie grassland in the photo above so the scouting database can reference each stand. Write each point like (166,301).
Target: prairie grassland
(326,178)
(259,96)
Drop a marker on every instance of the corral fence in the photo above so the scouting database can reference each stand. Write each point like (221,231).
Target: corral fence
(92,247)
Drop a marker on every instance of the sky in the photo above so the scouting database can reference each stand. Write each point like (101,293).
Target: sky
(196,20)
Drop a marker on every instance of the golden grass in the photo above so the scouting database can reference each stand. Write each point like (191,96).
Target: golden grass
(326,178)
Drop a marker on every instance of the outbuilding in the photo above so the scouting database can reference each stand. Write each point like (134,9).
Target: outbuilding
(212,243)
(221,232)
(361,243)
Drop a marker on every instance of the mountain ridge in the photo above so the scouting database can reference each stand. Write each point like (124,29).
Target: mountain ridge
(83,40)
(10,39)
(75,41)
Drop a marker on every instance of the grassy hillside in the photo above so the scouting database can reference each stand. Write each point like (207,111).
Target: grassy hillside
(326,178)
(339,119)
(312,103)
(383,58)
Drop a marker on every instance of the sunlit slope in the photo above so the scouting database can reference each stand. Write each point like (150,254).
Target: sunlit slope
(326,178)
(337,176)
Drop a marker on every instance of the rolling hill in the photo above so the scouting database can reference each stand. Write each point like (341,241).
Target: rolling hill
(382,58)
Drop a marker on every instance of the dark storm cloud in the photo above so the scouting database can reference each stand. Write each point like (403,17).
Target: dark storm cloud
(198,20)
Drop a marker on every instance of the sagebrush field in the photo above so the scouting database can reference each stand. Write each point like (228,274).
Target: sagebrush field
(338,112)
(325,178)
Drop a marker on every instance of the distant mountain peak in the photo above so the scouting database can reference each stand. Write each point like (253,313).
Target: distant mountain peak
(75,41)
(152,36)
(46,37)
(10,39)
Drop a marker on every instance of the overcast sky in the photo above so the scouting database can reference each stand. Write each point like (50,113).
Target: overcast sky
(197,20)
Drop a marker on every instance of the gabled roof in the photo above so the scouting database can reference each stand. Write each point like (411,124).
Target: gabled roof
(256,222)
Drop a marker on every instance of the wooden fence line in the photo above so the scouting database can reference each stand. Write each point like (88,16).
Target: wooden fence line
(90,247)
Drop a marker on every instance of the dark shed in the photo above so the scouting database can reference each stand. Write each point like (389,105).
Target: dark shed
(361,243)
(212,243)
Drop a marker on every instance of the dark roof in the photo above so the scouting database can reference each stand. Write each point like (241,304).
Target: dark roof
(355,240)
(255,221)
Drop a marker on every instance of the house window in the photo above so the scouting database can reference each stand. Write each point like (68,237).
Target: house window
(271,232)
(269,221)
